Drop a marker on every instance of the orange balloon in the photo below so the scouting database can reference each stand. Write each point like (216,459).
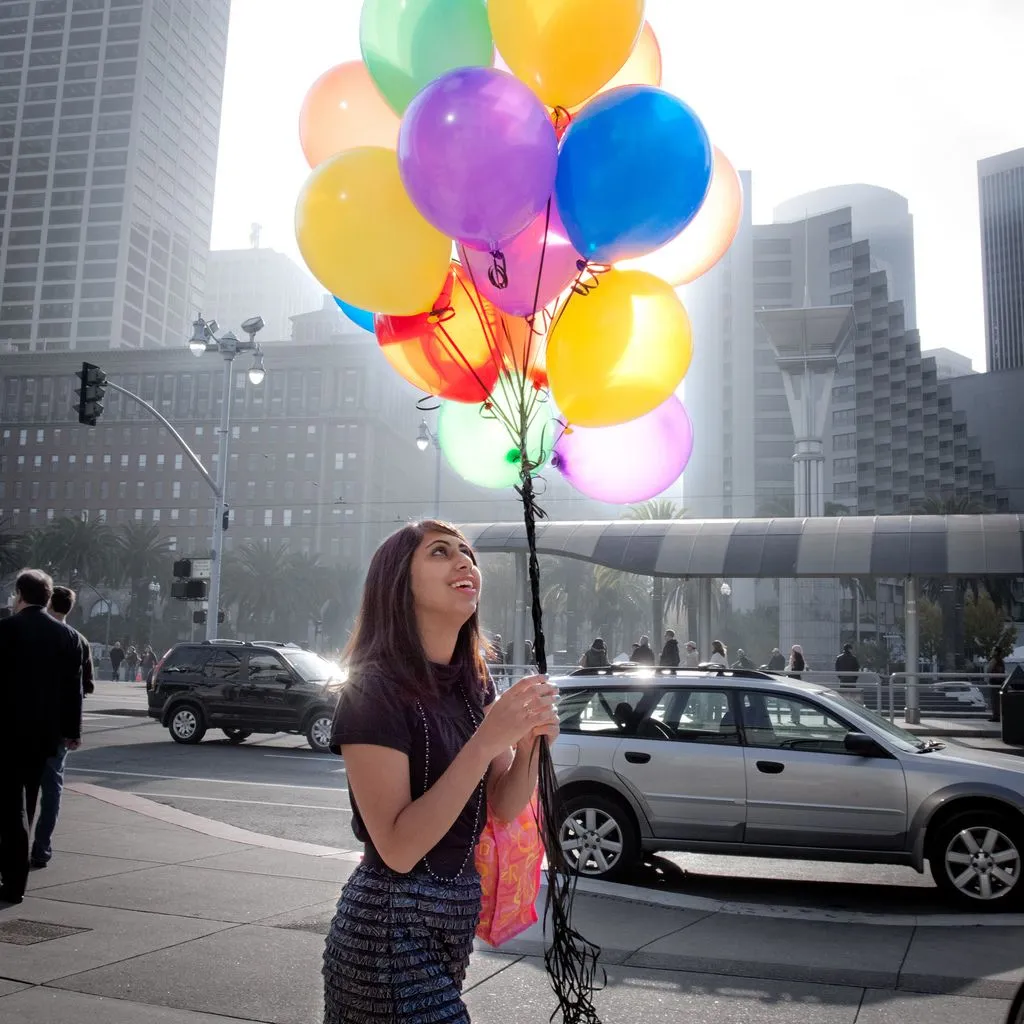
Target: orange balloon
(706,239)
(455,350)
(642,68)
(344,110)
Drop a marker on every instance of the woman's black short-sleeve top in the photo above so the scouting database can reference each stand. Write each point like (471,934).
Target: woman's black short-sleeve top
(373,710)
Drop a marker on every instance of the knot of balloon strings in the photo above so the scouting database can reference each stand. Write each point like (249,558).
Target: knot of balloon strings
(497,273)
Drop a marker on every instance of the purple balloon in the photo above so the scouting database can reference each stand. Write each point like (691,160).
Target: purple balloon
(478,155)
(631,461)
(522,294)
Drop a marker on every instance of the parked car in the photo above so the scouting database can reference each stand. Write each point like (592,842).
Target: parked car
(965,693)
(242,688)
(743,762)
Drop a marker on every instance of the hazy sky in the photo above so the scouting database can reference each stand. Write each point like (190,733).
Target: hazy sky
(907,94)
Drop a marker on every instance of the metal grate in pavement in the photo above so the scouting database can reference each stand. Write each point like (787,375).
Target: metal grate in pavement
(21,932)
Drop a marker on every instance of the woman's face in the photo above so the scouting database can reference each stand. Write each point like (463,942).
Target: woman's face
(445,579)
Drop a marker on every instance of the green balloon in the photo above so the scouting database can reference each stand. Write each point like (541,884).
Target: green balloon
(406,44)
(480,449)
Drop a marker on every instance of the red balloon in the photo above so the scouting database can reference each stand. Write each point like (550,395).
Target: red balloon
(457,349)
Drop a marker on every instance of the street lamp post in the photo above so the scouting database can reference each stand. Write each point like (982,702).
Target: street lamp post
(204,339)
(154,596)
(424,439)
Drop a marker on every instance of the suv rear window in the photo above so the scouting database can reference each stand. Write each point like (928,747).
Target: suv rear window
(185,659)
(606,712)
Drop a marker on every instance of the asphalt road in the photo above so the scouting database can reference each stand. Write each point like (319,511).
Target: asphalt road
(276,785)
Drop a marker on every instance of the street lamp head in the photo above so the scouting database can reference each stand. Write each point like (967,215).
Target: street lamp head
(257,372)
(423,437)
(197,343)
(726,590)
(253,325)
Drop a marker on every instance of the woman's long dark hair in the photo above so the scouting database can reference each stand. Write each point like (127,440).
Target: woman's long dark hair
(386,641)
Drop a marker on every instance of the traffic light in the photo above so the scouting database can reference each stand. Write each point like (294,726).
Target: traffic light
(189,590)
(199,617)
(90,394)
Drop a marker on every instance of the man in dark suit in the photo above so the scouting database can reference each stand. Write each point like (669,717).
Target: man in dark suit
(41,697)
(52,784)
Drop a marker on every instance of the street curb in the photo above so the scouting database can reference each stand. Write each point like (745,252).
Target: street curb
(631,894)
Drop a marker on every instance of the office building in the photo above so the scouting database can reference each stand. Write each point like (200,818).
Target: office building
(241,282)
(876,213)
(1001,197)
(949,363)
(109,124)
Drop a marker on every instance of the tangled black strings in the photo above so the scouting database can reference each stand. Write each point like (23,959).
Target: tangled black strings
(497,273)
(571,959)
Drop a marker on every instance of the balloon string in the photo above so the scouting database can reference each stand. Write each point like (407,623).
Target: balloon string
(571,960)
(528,347)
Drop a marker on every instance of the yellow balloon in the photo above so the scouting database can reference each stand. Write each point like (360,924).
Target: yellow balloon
(565,50)
(363,239)
(619,351)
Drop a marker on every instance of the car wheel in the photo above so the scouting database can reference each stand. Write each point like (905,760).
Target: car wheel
(599,837)
(318,731)
(976,860)
(237,735)
(186,724)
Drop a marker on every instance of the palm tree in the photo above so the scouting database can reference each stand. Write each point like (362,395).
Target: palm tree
(275,589)
(341,606)
(657,509)
(11,547)
(143,553)
(81,549)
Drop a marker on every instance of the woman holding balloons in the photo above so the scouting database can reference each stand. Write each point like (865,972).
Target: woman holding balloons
(504,195)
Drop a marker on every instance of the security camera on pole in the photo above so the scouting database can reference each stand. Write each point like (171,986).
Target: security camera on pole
(204,339)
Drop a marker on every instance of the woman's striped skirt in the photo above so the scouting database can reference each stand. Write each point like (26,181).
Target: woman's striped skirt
(398,948)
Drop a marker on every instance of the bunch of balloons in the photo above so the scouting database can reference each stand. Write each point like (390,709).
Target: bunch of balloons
(503,194)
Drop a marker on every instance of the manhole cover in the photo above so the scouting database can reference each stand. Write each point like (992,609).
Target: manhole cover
(19,932)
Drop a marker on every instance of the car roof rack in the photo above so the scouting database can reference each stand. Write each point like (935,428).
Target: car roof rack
(704,669)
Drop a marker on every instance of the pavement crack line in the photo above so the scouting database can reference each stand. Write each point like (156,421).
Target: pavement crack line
(673,931)
(512,961)
(860,1004)
(906,953)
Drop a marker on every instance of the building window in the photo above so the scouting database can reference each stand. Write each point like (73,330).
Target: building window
(160,460)
(176,489)
(268,517)
(286,517)
(142,461)
(339,460)
(177,461)
(138,515)
(156,515)
(124,461)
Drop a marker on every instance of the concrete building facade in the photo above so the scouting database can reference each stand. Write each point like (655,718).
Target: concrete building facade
(109,124)
(949,363)
(1001,198)
(240,282)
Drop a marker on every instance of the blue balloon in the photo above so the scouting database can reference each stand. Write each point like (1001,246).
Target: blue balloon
(360,317)
(634,168)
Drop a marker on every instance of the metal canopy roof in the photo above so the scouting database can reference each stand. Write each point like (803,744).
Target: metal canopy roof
(978,545)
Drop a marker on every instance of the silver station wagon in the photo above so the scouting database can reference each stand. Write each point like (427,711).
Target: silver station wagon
(742,762)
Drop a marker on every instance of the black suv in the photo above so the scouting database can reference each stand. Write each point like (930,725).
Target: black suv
(242,688)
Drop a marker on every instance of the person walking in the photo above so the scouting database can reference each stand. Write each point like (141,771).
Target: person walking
(995,672)
(52,784)
(847,665)
(691,656)
(719,654)
(777,661)
(796,661)
(670,651)
(428,752)
(147,664)
(595,656)
(642,653)
(41,683)
(131,665)
(116,657)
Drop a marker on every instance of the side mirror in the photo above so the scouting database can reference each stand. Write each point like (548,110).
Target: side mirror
(861,744)
(283,677)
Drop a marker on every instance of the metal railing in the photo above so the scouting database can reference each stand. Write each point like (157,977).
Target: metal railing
(988,683)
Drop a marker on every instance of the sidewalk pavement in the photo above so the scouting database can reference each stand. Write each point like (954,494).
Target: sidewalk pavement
(151,915)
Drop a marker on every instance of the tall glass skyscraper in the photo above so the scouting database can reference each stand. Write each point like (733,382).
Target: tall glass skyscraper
(109,122)
(1001,194)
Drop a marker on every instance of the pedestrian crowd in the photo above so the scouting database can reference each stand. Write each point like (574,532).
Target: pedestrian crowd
(45,671)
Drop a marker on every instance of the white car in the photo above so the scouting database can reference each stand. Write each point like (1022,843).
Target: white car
(964,693)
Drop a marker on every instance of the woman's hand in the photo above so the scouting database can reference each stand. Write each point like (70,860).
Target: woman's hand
(522,708)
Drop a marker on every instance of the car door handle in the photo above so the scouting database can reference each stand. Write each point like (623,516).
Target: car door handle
(636,757)
(770,767)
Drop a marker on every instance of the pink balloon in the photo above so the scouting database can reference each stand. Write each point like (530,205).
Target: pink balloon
(521,296)
(629,462)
